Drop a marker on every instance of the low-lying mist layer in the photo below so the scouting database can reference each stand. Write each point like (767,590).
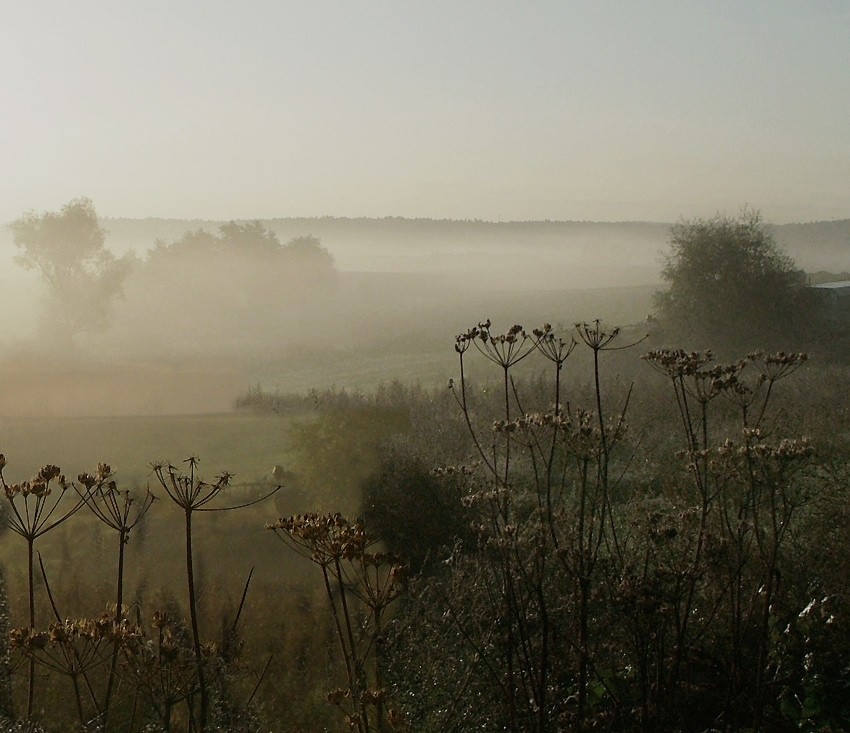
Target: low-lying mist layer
(208,309)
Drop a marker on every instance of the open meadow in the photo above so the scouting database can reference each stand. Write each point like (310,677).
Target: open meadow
(536,527)
(412,459)
(425,367)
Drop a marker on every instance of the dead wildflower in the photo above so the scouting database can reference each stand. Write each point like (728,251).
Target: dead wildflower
(192,494)
(121,512)
(594,336)
(555,349)
(160,664)
(351,570)
(778,365)
(691,373)
(189,491)
(75,647)
(463,341)
(96,634)
(677,362)
(33,513)
(505,349)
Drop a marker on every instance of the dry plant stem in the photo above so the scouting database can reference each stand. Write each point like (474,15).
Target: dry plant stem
(584,596)
(700,473)
(77,662)
(462,401)
(506,351)
(379,713)
(113,665)
(241,603)
(31,680)
(192,494)
(350,572)
(595,339)
(349,670)
(509,593)
(193,618)
(132,722)
(676,365)
(32,523)
(359,685)
(507,437)
(74,681)
(115,510)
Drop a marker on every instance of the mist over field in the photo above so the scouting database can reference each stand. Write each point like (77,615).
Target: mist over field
(401,367)
(305,371)
(191,332)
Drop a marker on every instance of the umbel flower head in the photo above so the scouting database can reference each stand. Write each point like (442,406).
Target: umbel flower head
(553,348)
(33,510)
(116,509)
(188,490)
(73,647)
(504,349)
(323,538)
(330,540)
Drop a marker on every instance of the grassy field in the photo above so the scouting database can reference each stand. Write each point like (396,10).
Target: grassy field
(413,340)
(244,444)
(80,554)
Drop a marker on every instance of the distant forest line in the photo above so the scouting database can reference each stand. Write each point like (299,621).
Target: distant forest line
(565,253)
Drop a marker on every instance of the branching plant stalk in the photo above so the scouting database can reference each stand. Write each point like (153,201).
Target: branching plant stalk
(121,513)
(37,517)
(193,494)
(74,665)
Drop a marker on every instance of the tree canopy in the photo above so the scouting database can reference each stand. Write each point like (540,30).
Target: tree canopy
(249,240)
(729,284)
(67,249)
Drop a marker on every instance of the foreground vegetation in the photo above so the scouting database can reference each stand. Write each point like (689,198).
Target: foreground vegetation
(587,530)
(590,539)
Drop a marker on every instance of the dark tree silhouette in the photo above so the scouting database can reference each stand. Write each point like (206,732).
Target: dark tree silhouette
(729,284)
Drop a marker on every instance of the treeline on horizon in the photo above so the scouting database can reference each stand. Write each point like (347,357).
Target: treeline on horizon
(801,240)
(814,245)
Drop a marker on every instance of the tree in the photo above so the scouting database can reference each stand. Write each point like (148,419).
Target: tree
(308,250)
(730,285)
(82,277)
(250,239)
(314,265)
(250,251)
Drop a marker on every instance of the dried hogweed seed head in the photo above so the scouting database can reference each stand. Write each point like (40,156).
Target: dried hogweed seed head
(49,472)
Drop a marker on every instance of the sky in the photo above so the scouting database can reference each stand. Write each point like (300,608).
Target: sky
(451,109)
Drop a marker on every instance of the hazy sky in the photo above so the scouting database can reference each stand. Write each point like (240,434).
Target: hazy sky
(564,109)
